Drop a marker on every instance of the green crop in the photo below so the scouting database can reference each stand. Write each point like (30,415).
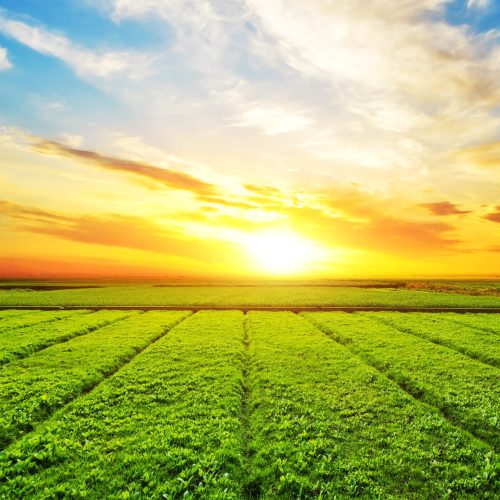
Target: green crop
(442,329)
(34,387)
(325,424)
(486,322)
(166,426)
(463,389)
(243,296)
(14,322)
(26,341)
(8,313)
(258,406)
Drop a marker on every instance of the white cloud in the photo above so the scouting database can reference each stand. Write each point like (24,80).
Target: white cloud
(4,59)
(478,4)
(274,120)
(371,91)
(83,61)
(384,46)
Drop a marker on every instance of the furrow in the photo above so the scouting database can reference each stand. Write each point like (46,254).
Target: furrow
(248,488)
(34,387)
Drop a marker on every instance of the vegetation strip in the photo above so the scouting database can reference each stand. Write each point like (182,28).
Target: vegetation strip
(8,313)
(33,388)
(10,324)
(166,425)
(34,338)
(241,296)
(486,323)
(466,391)
(326,424)
(477,344)
(290,308)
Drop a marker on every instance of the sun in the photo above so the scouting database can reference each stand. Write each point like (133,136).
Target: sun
(281,252)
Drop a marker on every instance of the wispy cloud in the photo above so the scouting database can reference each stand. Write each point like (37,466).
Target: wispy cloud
(4,59)
(478,4)
(482,155)
(494,216)
(444,208)
(159,176)
(83,61)
(112,230)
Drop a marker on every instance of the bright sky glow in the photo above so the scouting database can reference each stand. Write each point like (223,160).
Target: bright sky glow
(153,137)
(282,252)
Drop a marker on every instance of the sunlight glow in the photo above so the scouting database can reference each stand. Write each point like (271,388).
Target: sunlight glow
(281,252)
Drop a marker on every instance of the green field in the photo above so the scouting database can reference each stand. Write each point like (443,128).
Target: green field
(241,296)
(221,404)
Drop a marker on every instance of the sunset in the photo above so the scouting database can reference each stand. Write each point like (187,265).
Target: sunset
(250,249)
(154,138)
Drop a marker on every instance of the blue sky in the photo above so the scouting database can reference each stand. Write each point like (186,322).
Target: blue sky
(383,107)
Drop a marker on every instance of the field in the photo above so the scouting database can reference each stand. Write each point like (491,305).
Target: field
(291,294)
(222,404)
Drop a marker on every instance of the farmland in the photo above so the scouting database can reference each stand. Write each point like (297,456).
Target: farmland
(239,296)
(221,404)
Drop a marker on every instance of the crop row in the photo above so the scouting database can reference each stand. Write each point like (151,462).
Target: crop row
(25,341)
(10,323)
(34,387)
(442,329)
(324,423)
(243,296)
(233,406)
(169,422)
(465,390)
(9,313)
(486,322)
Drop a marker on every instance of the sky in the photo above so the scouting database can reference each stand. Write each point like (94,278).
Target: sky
(321,138)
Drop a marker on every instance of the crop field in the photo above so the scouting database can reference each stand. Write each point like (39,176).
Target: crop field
(241,296)
(222,404)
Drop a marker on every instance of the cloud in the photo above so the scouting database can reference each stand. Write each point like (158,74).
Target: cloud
(482,155)
(160,176)
(114,230)
(83,61)
(273,120)
(382,46)
(4,59)
(443,208)
(375,232)
(493,216)
(29,213)
(478,4)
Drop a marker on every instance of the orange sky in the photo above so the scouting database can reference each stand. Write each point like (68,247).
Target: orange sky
(236,144)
